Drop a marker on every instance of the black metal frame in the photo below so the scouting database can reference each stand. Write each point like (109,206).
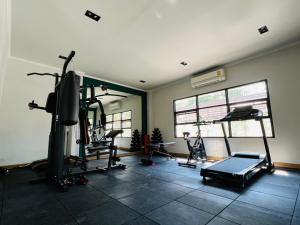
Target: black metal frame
(122,121)
(228,105)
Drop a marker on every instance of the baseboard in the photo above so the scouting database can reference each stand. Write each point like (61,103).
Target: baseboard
(287,165)
(15,166)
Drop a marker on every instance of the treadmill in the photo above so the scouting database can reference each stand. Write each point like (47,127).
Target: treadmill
(240,167)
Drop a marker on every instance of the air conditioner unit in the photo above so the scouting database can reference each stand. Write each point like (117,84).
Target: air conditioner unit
(208,78)
(114,105)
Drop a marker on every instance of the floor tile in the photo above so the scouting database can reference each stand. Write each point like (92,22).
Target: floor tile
(86,200)
(213,204)
(189,182)
(295,221)
(20,190)
(221,191)
(145,201)
(47,213)
(220,221)
(275,189)
(165,176)
(169,190)
(276,203)
(282,177)
(111,213)
(140,221)
(122,190)
(247,214)
(133,177)
(104,181)
(28,201)
(176,213)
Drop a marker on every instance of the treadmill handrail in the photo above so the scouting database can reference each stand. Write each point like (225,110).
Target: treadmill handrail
(238,119)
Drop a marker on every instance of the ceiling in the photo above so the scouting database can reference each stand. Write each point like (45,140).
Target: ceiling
(107,99)
(147,39)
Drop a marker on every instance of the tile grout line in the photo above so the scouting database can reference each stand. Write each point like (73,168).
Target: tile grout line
(274,211)
(272,194)
(233,200)
(295,204)
(69,213)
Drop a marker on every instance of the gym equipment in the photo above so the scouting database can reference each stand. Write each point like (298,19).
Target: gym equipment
(157,149)
(106,147)
(240,167)
(197,150)
(96,147)
(67,109)
(103,88)
(63,104)
(135,141)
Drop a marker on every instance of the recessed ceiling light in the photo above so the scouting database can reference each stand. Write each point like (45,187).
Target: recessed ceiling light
(92,15)
(263,29)
(183,63)
(143,81)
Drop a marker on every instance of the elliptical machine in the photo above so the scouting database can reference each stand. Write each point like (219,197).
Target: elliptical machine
(197,150)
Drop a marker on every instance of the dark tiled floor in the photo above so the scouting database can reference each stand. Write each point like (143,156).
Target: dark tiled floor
(161,194)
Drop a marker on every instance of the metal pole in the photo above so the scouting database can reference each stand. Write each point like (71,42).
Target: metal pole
(226,140)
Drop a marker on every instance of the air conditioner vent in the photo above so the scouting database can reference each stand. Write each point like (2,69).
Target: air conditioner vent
(208,78)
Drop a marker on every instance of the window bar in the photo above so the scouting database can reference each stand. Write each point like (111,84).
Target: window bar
(228,110)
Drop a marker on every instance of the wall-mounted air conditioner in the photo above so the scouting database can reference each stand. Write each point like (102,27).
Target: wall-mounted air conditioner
(114,105)
(208,78)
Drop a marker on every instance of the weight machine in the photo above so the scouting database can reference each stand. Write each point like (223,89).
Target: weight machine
(67,110)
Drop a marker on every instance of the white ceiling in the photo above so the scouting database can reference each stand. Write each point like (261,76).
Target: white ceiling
(147,39)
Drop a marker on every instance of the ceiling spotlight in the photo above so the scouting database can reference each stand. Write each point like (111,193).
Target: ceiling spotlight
(183,63)
(92,15)
(263,29)
(142,81)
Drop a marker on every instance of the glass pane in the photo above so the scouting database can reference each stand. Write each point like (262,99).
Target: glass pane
(108,118)
(186,128)
(261,105)
(213,113)
(107,131)
(248,92)
(117,116)
(211,99)
(185,104)
(214,130)
(126,133)
(250,128)
(108,126)
(126,124)
(126,115)
(189,117)
(117,125)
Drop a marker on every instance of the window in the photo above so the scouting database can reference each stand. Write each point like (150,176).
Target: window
(119,121)
(215,105)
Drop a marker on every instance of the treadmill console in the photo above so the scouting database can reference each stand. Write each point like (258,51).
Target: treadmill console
(243,113)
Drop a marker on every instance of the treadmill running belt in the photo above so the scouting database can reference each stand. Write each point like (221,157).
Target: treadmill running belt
(234,164)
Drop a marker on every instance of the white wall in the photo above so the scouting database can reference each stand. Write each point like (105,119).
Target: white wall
(133,103)
(5,19)
(281,68)
(23,132)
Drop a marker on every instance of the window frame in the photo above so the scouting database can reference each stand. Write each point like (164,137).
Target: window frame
(228,105)
(121,120)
